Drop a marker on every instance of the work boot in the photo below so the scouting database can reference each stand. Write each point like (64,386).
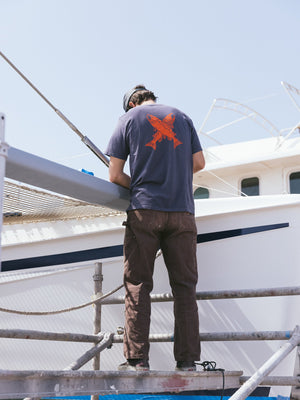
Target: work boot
(185,366)
(134,364)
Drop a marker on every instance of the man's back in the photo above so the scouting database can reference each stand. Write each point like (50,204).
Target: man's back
(160,141)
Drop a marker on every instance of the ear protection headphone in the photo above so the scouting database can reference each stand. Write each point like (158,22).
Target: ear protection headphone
(127,96)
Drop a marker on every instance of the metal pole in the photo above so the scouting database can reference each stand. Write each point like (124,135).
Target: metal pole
(83,138)
(295,390)
(219,294)
(220,336)
(289,88)
(265,369)
(98,279)
(276,381)
(38,335)
(86,357)
(153,337)
(3,155)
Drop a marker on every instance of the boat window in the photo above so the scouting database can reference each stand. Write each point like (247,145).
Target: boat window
(250,187)
(201,193)
(295,182)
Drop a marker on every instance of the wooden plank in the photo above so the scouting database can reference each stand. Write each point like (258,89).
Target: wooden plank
(20,384)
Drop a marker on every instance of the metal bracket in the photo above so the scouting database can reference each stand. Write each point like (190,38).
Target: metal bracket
(3,145)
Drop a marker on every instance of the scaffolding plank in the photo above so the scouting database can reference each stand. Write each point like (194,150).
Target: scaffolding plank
(20,384)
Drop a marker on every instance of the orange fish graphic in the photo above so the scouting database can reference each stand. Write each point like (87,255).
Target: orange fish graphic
(163,129)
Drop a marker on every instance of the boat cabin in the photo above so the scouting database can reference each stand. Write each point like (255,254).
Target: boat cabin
(259,167)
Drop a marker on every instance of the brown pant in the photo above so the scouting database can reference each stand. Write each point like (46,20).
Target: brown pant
(175,233)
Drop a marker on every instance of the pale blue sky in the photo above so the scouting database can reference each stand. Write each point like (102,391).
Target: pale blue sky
(84,54)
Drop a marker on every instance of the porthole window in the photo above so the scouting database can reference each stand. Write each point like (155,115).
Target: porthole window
(201,193)
(295,182)
(250,187)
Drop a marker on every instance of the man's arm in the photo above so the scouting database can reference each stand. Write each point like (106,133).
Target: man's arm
(198,161)
(116,173)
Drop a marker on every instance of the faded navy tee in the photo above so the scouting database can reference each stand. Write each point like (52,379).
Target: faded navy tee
(160,142)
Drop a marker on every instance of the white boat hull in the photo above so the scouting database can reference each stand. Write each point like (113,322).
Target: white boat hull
(244,243)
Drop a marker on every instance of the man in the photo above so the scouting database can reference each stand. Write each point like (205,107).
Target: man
(164,152)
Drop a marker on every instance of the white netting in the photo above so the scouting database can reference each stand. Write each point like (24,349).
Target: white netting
(27,204)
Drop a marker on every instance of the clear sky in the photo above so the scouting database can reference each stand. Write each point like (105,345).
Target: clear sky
(84,54)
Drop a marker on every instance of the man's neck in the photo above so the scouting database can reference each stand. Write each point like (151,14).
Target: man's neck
(147,102)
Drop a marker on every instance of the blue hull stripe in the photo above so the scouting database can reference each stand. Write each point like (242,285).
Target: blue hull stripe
(116,251)
(208,237)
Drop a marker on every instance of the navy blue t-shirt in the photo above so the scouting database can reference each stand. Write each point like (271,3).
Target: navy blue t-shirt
(160,141)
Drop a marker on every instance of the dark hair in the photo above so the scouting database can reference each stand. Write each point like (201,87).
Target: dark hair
(142,95)
(137,95)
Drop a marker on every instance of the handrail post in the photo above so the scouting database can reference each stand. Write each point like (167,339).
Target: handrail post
(247,388)
(3,156)
(295,390)
(98,279)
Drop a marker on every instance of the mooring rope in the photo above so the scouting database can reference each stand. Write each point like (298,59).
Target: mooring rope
(99,299)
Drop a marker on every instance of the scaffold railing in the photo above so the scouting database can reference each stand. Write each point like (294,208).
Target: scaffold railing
(71,381)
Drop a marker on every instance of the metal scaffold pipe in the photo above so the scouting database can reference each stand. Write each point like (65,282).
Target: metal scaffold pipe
(220,294)
(53,336)
(98,279)
(3,156)
(91,353)
(267,367)
(154,337)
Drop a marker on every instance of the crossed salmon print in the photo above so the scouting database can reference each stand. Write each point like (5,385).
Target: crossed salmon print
(163,129)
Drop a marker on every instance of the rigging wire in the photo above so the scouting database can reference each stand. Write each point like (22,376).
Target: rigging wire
(239,192)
